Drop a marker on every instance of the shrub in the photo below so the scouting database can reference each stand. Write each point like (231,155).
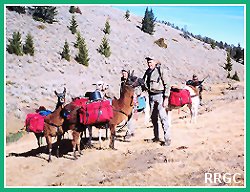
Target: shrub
(13,137)
(160,42)
(41,26)
(15,45)
(72,9)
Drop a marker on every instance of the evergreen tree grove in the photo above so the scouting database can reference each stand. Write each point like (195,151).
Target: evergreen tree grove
(65,53)
(28,47)
(104,48)
(18,9)
(44,13)
(212,44)
(238,54)
(15,44)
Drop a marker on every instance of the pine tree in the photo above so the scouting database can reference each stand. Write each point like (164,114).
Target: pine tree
(18,9)
(106,30)
(78,39)
(242,52)
(221,45)
(127,15)
(15,45)
(73,25)
(65,53)
(148,22)
(212,44)
(104,48)
(238,53)
(44,13)
(228,65)
(82,56)
(28,47)
(236,77)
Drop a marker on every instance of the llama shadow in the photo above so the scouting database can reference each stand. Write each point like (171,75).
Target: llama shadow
(65,148)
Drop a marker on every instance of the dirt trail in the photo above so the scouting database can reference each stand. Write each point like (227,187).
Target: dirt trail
(215,144)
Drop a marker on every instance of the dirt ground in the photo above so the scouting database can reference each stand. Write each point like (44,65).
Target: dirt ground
(215,144)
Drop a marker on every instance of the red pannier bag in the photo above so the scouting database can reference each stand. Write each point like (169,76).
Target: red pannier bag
(80,101)
(96,112)
(179,97)
(34,122)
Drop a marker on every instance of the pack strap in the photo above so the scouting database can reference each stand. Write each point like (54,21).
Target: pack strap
(54,125)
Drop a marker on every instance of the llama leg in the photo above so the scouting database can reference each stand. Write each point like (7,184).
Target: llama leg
(195,113)
(74,141)
(41,140)
(191,112)
(49,143)
(59,138)
(112,137)
(78,145)
(106,127)
(100,138)
(38,139)
(90,136)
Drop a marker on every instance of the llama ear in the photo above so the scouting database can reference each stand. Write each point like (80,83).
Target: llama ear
(132,74)
(128,73)
(64,91)
(56,93)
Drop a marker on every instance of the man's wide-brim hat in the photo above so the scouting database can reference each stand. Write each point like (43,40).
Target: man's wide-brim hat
(98,83)
(149,58)
(124,70)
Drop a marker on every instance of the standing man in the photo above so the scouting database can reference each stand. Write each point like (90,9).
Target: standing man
(124,79)
(195,82)
(157,88)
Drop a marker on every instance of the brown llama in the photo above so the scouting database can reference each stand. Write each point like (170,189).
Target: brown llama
(122,107)
(53,124)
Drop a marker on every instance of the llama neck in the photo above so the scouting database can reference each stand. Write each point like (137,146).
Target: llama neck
(56,113)
(59,104)
(126,101)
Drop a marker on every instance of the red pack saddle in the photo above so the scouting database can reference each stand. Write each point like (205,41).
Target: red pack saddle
(179,97)
(96,112)
(34,122)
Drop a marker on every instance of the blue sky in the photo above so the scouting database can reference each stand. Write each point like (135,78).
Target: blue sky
(221,23)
